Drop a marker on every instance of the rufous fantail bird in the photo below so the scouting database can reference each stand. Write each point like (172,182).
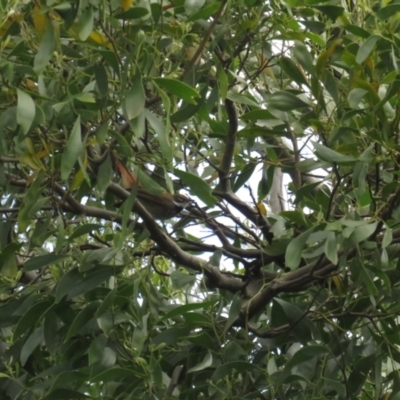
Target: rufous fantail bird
(159,206)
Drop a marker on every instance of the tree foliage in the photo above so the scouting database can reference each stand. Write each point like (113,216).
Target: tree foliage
(232,300)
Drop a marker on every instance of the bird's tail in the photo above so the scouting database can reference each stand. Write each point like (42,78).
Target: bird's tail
(128,178)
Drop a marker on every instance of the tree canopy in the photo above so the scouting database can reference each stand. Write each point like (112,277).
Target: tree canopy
(280,120)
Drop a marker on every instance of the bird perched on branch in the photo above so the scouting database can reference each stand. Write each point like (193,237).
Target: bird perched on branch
(159,206)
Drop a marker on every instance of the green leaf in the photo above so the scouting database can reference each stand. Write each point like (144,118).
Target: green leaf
(39,262)
(105,174)
(305,354)
(205,12)
(222,81)
(31,202)
(108,357)
(215,259)
(73,283)
(96,349)
(93,258)
(387,237)
(362,233)
(149,183)
(101,81)
(234,311)
(66,377)
(303,56)
(330,248)
(205,363)
(66,394)
(333,12)
(135,99)
(163,138)
(257,115)
(179,89)
(85,24)
(244,176)
(72,151)
(186,112)
(32,316)
(50,332)
(180,310)
(285,101)
(197,186)
(389,11)
(242,99)
(86,98)
(303,328)
(330,85)
(26,111)
(292,70)
(295,248)
(106,303)
(365,276)
(46,48)
(358,31)
(180,280)
(8,262)
(327,154)
(227,369)
(257,131)
(84,316)
(31,343)
(366,48)
(113,375)
(355,96)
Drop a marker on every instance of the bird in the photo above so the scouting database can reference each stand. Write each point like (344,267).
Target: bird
(160,206)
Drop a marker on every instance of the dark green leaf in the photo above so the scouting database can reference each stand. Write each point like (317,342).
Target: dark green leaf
(292,70)
(179,89)
(366,48)
(285,101)
(295,248)
(234,311)
(388,11)
(197,186)
(82,319)
(226,369)
(333,12)
(31,343)
(73,283)
(32,316)
(114,375)
(180,310)
(257,115)
(205,12)
(65,394)
(40,262)
(301,53)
